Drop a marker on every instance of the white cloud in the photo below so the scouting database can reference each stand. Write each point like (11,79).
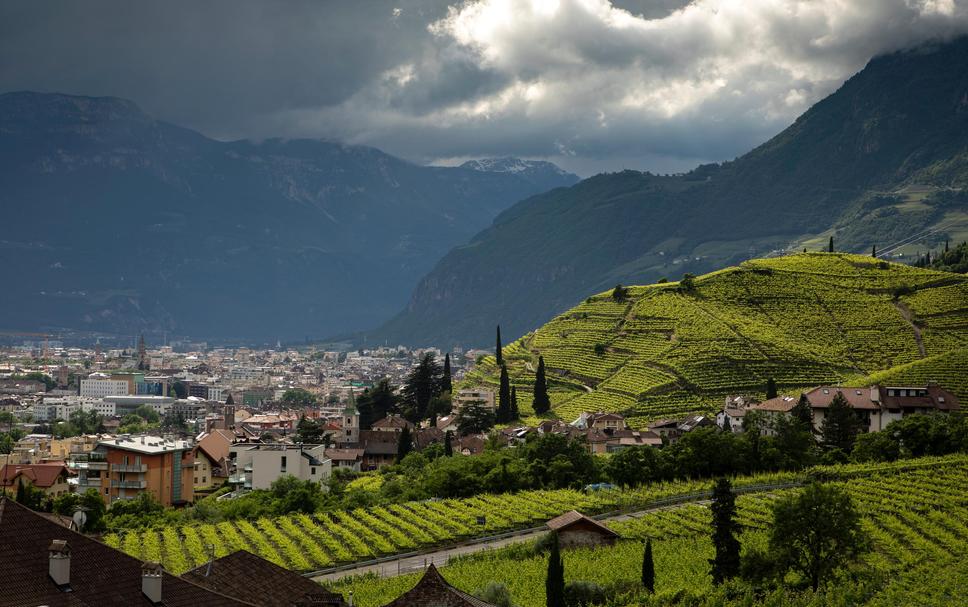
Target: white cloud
(707,80)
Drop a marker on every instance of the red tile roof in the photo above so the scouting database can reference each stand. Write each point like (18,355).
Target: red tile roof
(42,476)
(859,398)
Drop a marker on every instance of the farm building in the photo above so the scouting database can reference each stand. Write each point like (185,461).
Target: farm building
(575,529)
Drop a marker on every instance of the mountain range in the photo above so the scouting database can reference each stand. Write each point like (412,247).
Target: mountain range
(114,221)
(882,162)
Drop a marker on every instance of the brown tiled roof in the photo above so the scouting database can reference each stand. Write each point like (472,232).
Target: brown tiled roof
(859,398)
(391,421)
(99,576)
(344,455)
(570,518)
(243,575)
(433,591)
(780,404)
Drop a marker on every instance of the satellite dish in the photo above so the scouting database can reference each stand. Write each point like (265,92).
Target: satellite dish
(80,517)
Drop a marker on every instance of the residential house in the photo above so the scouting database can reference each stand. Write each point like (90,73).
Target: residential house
(346,458)
(50,478)
(879,405)
(259,465)
(391,423)
(473,395)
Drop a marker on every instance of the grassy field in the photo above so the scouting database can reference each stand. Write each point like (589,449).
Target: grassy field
(917,519)
(804,320)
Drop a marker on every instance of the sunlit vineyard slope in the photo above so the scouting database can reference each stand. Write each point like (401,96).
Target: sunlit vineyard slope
(803,320)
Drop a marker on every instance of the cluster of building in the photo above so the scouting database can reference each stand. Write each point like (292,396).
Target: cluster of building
(877,405)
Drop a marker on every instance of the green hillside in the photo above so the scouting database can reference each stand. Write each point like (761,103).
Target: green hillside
(883,162)
(803,319)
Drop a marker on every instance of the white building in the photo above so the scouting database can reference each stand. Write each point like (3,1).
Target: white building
(259,465)
(99,388)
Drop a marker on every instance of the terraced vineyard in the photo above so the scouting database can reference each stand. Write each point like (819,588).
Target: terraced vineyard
(308,542)
(804,320)
(916,517)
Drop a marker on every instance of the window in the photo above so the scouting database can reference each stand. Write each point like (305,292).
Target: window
(204,479)
(283,466)
(105,492)
(196,480)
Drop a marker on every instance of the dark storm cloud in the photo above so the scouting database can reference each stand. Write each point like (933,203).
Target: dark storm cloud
(659,84)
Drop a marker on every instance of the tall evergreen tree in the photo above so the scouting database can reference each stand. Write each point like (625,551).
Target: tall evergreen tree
(422,385)
(555,581)
(771,388)
(542,404)
(446,384)
(726,563)
(504,397)
(840,424)
(448,446)
(874,251)
(404,444)
(830,245)
(499,350)
(21,491)
(514,414)
(802,413)
(648,567)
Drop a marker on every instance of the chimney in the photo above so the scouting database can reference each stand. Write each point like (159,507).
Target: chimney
(151,574)
(875,394)
(60,563)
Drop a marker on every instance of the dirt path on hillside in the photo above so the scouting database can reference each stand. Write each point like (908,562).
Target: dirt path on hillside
(909,317)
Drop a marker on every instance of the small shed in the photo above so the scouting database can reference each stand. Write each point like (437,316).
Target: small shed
(577,530)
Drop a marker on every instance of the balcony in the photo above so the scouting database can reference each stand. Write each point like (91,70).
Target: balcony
(129,484)
(85,465)
(138,468)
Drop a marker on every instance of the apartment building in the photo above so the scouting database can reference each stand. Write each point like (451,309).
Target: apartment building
(124,467)
(257,466)
(101,387)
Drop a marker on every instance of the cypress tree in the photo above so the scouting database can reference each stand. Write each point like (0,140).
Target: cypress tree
(405,444)
(448,447)
(771,388)
(648,567)
(542,404)
(874,251)
(830,245)
(514,414)
(499,350)
(555,582)
(945,246)
(504,397)
(21,491)
(446,384)
(726,563)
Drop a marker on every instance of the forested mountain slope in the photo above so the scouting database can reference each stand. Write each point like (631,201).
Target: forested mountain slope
(113,221)
(804,320)
(878,162)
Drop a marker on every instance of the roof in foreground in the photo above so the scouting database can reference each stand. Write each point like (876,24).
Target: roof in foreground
(243,574)
(99,575)
(433,591)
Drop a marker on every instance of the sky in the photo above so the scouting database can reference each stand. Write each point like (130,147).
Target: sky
(592,85)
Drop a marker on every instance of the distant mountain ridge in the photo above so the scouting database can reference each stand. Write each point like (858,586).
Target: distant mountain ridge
(116,222)
(883,158)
